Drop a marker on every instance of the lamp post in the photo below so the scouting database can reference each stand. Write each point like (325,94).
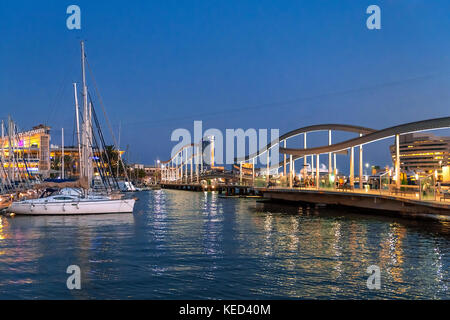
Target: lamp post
(156,171)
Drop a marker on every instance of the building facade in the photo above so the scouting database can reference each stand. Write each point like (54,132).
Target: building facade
(422,153)
(26,152)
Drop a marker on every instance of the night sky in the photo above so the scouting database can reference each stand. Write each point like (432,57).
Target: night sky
(160,65)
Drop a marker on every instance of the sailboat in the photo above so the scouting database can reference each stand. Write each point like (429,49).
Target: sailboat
(72,200)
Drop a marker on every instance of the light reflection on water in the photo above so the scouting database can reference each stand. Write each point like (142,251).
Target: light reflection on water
(196,245)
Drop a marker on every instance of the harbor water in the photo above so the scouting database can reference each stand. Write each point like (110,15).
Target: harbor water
(187,245)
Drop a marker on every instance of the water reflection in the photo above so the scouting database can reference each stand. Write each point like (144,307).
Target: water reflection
(182,244)
(342,246)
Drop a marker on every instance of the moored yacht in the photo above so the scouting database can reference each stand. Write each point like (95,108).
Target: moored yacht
(70,201)
(82,199)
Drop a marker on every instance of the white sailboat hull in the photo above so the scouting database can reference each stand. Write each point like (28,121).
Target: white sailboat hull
(72,207)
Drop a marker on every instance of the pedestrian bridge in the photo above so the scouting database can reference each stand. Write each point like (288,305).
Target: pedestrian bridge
(186,166)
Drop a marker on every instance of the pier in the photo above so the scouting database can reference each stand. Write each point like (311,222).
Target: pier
(405,205)
(184,171)
(228,190)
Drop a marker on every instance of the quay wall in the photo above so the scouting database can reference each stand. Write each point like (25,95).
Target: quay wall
(372,202)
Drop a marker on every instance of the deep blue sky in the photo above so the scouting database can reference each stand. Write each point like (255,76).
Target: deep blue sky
(284,64)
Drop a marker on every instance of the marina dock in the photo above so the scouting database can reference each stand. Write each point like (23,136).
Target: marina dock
(231,190)
(404,205)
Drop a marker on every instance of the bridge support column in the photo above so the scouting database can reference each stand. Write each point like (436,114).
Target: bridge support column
(212,149)
(334,165)
(317,171)
(186,163)
(175,173)
(201,157)
(240,173)
(268,166)
(197,155)
(253,171)
(180,174)
(293,169)
(397,161)
(313,173)
(361,167)
(284,160)
(352,166)
(181,167)
(305,158)
(290,170)
(192,168)
(330,166)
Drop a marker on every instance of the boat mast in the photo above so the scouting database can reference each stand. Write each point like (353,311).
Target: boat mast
(118,151)
(10,152)
(62,152)
(90,146)
(3,158)
(86,160)
(6,179)
(78,127)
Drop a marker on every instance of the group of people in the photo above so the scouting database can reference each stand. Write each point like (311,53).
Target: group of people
(309,181)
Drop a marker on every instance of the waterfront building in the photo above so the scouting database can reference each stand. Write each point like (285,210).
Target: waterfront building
(423,153)
(27,151)
(72,160)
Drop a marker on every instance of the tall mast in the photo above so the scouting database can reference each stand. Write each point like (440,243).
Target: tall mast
(62,153)
(78,128)
(10,152)
(3,173)
(85,118)
(89,146)
(118,150)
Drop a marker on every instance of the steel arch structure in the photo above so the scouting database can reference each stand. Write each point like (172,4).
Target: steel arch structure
(303,130)
(418,126)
